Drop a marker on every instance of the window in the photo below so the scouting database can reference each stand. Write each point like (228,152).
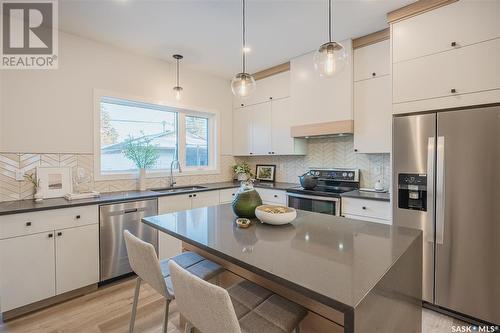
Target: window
(122,120)
(196,141)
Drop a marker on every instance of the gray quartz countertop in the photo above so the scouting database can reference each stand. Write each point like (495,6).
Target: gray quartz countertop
(381,196)
(333,260)
(24,206)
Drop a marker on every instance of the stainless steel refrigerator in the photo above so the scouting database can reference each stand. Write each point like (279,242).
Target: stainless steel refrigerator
(446,181)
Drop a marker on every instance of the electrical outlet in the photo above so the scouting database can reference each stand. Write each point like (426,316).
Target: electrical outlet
(19,176)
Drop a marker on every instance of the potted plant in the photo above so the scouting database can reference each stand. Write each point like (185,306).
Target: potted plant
(30,177)
(144,155)
(242,171)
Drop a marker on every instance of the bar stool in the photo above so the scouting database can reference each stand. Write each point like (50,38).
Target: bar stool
(144,262)
(243,308)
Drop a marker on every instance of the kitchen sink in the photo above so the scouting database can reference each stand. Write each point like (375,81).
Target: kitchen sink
(178,189)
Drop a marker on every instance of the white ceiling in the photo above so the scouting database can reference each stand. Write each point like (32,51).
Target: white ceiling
(208,32)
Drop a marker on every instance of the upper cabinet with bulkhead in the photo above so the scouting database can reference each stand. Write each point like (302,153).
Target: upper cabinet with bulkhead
(447,57)
(372,98)
(262,123)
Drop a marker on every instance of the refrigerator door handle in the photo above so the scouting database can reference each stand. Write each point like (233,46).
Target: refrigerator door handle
(440,190)
(431,151)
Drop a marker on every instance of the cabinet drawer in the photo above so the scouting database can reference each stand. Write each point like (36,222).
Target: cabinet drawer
(272,196)
(227,195)
(466,70)
(372,61)
(368,208)
(463,22)
(47,220)
(366,218)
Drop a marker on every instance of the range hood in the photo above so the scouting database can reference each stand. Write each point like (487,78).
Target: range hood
(325,129)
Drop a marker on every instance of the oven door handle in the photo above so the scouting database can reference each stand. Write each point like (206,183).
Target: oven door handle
(313,197)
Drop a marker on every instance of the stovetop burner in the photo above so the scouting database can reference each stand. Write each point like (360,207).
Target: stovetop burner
(331,182)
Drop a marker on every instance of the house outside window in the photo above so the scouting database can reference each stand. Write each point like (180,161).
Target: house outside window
(177,134)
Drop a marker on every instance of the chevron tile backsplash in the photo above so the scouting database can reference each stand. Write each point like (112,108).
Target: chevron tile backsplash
(335,152)
(11,164)
(322,153)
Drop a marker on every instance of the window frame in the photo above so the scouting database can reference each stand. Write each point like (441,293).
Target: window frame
(182,111)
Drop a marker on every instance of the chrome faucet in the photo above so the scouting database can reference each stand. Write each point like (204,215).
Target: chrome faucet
(172,182)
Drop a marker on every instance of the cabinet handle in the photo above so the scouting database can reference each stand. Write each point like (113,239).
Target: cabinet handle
(233,194)
(77,217)
(59,233)
(273,152)
(51,235)
(28,224)
(355,150)
(275,195)
(374,74)
(453,90)
(190,196)
(364,207)
(269,152)
(194,195)
(242,104)
(251,153)
(271,97)
(453,44)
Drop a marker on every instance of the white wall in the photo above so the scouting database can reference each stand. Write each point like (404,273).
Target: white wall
(48,111)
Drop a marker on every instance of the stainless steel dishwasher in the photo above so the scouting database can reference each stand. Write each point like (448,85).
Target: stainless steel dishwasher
(113,220)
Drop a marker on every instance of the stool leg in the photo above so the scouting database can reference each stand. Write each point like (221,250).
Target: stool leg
(165,320)
(134,305)
(188,328)
(297,329)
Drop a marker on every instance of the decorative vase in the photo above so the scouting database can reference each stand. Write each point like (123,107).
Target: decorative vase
(242,177)
(141,184)
(38,196)
(246,200)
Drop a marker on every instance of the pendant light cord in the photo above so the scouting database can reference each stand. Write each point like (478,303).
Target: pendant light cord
(177,72)
(330,20)
(244,40)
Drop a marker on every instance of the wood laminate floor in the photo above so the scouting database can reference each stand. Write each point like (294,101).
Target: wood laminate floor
(108,311)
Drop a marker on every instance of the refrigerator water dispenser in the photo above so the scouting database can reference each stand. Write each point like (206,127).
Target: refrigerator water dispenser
(412,191)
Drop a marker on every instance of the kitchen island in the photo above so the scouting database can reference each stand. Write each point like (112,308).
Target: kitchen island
(361,276)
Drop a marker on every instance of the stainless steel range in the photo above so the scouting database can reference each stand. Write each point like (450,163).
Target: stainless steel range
(325,197)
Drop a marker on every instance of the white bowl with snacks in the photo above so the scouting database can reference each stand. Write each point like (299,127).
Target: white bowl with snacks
(275,214)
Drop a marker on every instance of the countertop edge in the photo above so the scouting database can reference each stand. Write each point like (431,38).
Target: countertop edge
(377,196)
(124,196)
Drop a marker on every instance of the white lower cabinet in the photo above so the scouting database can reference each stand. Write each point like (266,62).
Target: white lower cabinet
(272,197)
(27,270)
(47,254)
(169,246)
(367,210)
(227,195)
(77,257)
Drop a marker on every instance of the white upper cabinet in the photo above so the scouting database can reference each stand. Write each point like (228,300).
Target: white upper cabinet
(242,131)
(466,70)
(373,115)
(273,87)
(316,99)
(463,23)
(281,122)
(372,61)
(261,128)
(372,98)
(447,57)
(264,129)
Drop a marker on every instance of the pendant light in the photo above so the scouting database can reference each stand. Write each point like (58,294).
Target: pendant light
(331,57)
(243,84)
(177,89)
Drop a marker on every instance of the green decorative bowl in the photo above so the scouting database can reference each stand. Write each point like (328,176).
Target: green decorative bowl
(245,202)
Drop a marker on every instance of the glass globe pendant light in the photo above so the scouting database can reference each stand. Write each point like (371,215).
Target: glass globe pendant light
(177,89)
(243,84)
(331,57)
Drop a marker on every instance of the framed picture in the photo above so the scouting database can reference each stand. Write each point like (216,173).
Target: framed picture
(265,172)
(55,182)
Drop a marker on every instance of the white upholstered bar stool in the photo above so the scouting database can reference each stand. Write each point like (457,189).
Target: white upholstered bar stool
(144,262)
(243,308)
